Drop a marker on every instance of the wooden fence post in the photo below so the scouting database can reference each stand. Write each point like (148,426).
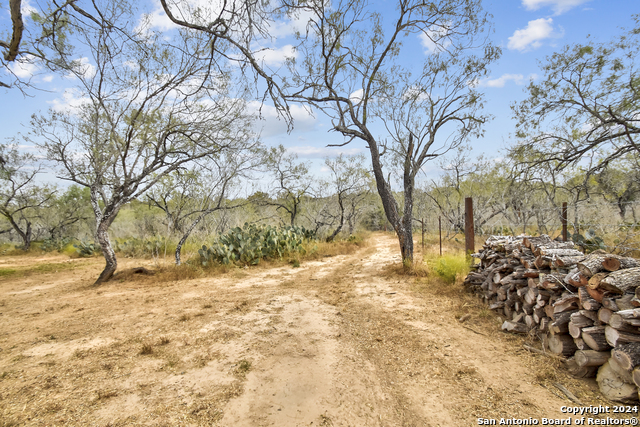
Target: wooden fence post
(440,230)
(564,221)
(469,236)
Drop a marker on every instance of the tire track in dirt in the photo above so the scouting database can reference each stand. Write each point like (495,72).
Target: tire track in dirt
(361,349)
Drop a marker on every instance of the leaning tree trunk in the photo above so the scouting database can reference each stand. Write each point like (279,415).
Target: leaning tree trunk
(404,232)
(186,235)
(24,235)
(102,236)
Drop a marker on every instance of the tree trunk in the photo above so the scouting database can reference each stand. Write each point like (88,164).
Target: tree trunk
(186,235)
(102,236)
(339,228)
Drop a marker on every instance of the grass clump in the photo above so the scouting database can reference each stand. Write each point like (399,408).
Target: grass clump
(449,267)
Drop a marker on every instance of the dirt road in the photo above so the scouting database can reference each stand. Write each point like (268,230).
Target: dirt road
(345,341)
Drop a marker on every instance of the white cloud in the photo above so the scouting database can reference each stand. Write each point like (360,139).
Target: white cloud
(25,67)
(83,67)
(311,152)
(518,79)
(71,102)
(26,8)
(270,124)
(356,97)
(48,78)
(291,26)
(435,40)
(532,36)
(276,57)
(558,6)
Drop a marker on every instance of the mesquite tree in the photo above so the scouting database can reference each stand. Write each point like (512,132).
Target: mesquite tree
(22,199)
(350,66)
(586,105)
(150,104)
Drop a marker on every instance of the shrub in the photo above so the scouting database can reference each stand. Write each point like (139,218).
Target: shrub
(85,249)
(449,267)
(55,244)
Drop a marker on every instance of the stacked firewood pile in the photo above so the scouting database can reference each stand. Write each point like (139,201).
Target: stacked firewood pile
(585,308)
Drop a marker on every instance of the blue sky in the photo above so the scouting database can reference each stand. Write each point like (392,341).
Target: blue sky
(527,31)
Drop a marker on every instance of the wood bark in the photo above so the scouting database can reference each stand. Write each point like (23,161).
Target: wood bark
(516,327)
(627,356)
(615,337)
(591,357)
(580,371)
(594,337)
(621,281)
(562,345)
(587,301)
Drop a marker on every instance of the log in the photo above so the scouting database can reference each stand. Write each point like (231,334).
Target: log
(533,242)
(625,323)
(578,321)
(635,375)
(591,357)
(624,302)
(561,323)
(568,261)
(610,303)
(604,314)
(515,327)
(615,337)
(622,373)
(594,281)
(568,303)
(622,281)
(591,265)
(627,356)
(614,262)
(580,371)
(596,294)
(562,345)
(594,337)
(613,387)
(552,281)
(531,273)
(580,344)
(587,301)
(593,315)
(559,252)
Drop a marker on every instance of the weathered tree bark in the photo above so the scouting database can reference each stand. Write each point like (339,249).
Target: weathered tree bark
(580,371)
(615,337)
(594,337)
(591,265)
(621,281)
(561,323)
(627,356)
(562,345)
(102,236)
(591,357)
(587,302)
(614,262)
(187,233)
(519,328)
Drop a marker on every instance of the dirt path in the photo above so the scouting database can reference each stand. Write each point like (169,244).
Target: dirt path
(343,342)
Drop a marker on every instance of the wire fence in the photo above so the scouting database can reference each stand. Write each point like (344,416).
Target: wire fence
(613,227)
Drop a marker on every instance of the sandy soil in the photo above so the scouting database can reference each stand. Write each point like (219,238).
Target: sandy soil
(346,341)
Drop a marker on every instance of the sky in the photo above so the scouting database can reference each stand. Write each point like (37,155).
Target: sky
(527,31)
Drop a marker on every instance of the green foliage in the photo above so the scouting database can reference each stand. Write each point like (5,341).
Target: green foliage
(141,248)
(589,242)
(86,249)
(55,244)
(251,243)
(451,266)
